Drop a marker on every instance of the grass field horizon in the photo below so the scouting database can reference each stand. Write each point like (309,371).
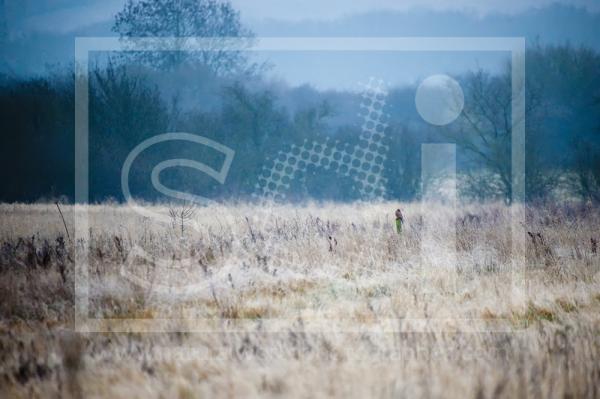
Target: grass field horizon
(319,299)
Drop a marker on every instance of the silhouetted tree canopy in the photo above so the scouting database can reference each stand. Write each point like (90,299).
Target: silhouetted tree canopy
(184,19)
(257,119)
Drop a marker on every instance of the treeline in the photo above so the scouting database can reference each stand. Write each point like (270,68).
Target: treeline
(256,118)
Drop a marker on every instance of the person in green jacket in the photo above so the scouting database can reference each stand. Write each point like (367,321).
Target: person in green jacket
(399,221)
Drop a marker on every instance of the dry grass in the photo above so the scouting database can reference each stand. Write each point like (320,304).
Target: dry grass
(310,301)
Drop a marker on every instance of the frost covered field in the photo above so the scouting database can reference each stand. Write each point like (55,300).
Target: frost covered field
(303,301)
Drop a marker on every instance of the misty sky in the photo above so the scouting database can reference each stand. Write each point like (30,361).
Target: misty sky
(70,15)
(38,33)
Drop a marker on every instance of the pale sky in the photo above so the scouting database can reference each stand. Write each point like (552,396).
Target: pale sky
(42,32)
(67,15)
(332,9)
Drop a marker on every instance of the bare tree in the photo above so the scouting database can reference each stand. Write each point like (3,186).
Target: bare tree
(179,19)
(486,124)
(587,157)
(587,162)
(181,216)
